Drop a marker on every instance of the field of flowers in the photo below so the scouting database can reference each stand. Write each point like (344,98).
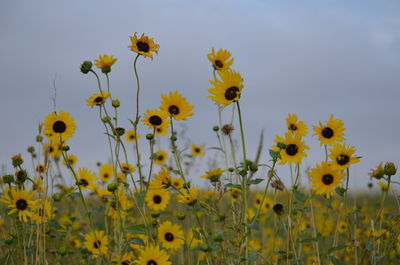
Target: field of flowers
(148,210)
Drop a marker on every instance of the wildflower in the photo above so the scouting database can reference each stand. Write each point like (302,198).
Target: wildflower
(325,178)
(278,208)
(97,99)
(40,168)
(331,132)
(220,60)
(177,183)
(197,150)
(161,157)
(20,201)
(162,180)
(227,89)
(377,172)
(176,105)
(53,148)
(71,160)
(235,194)
(144,45)
(213,175)
(104,194)
(127,168)
(170,235)
(58,126)
(296,126)
(153,255)
(294,150)
(188,196)
(227,129)
(390,169)
(156,118)
(105,62)
(342,227)
(157,199)
(267,205)
(343,156)
(96,242)
(43,211)
(86,179)
(131,135)
(17,160)
(106,172)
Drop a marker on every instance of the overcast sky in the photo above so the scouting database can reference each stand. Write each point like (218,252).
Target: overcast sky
(312,58)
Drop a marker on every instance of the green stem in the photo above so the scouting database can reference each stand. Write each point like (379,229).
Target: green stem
(175,152)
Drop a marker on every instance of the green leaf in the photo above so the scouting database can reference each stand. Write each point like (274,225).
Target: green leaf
(231,185)
(300,195)
(310,239)
(335,261)
(140,198)
(331,250)
(274,154)
(340,191)
(255,181)
(136,229)
(216,148)
(137,241)
(74,195)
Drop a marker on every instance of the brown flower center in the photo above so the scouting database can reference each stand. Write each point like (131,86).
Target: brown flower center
(218,64)
(342,159)
(169,237)
(231,93)
(327,179)
(83,182)
(292,149)
(152,262)
(21,204)
(155,120)
(157,199)
(143,46)
(59,127)
(292,127)
(174,110)
(97,244)
(98,100)
(327,132)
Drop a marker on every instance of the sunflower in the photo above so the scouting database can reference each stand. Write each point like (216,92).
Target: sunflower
(105,62)
(188,196)
(325,178)
(106,172)
(235,194)
(127,168)
(294,150)
(213,175)
(21,202)
(220,60)
(177,183)
(143,45)
(43,211)
(86,179)
(162,130)
(71,160)
(157,199)
(331,132)
(126,259)
(153,255)
(342,227)
(53,148)
(104,194)
(197,150)
(176,105)
(161,157)
(343,156)
(296,126)
(257,200)
(97,99)
(96,242)
(268,204)
(58,126)
(228,89)
(156,118)
(170,235)
(131,135)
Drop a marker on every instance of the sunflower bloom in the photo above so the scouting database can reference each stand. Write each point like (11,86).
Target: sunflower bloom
(157,199)
(294,151)
(144,45)
(221,60)
(170,235)
(296,126)
(325,178)
(227,89)
(156,119)
(86,179)
(331,132)
(197,150)
(176,105)
(213,175)
(161,157)
(105,62)
(131,135)
(96,242)
(20,201)
(59,125)
(153,255)
(343,156)
(97,99)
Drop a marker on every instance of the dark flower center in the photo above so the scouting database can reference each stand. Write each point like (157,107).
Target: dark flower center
(98,100)
(342,159)
(155,120)
(59,127)
(106,176)
(143,46)
(327,132)
(157,199)
(169,237)
(258,201)
(83,182)
(160,157)
(278,208)
(292,127)
(292,149)
(218,64)
(125,262)
(174,110)
(97,244)
(21,204)
(327,179)
(151,262)
(235,194)
(231,93)
(197,150)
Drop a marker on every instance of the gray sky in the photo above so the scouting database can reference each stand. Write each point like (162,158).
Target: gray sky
(313,58)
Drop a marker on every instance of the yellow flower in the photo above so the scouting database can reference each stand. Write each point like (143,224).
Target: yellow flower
(131,135)
(153,255)
(188,196)
(170,235)
(197,150)
(378,172)
(325,178)
(96,242)
(343,156)
(143,45)
(157,199)
(71,160)
(342,227)
(106,172)
(105,62)
(331,132)
(267,205)
(127,168)
(156,118)
(97,99)
(296,126)
(294,151)
(220,60)
(52,148)
(176,106)
(227,89)
(58,126)
(177,183)
(235,194)
(103,193)
(86,179)
(43,211)
(213,175)
(20,201)
(161,157)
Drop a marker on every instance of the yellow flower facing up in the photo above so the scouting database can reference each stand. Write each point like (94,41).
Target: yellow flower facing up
(176,105)
(105,62)
(177,183)
(86,179)
(157,199)
(267,205)
(127,168)
(343,156)
(331,132)
(294,151)
(144,45)
(188,196)
(235,194)
(106,172)
(71,160)
(213,175)
(325,178)
(96,242)
(342,227)
(43,211)
(20,201)
(156,118)
(197,150)
(295,126)
(161,157)
(170,235)
(59,125)
(97,99)
(227,89)
(378,172)
(131,135)
(221,60)
(153,255)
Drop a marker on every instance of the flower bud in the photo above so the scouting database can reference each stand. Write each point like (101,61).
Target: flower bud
(106,69)
(112,187)
(181,216)
(215,128)
(155,215)
(31,149)
(65,148)
(39,138)
(8,179)
(86,66)
(149,136)
(278,208)
(173,138)
(17,160)
(105,119)
(21,176)
(57,197)
(204,248)
(115,103)
(120,131)
(390,169)
(227,129)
